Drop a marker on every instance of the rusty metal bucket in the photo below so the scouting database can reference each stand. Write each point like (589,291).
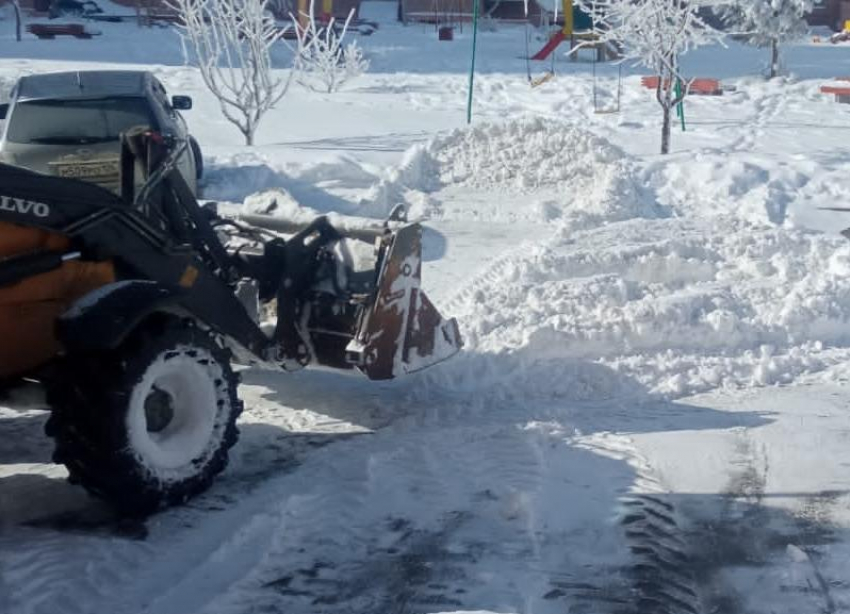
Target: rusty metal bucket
(402,332)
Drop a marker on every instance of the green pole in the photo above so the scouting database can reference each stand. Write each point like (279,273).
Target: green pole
(472,66)
(676,90)
(680,108)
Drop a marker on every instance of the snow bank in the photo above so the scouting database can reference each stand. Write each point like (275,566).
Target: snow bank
(721,184)
(293,189)
(523,155)
(528,169)
(827,188)
(278,203)
(235,178)
(673,307)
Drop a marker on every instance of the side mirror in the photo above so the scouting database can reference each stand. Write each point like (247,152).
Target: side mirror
(181,103)
(4,109)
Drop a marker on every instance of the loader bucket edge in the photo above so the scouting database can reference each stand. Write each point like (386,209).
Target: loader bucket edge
(402,332)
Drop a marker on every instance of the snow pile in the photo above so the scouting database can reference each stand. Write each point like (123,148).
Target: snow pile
(828,187)
(296,190)
(278,203)
(233,179)
(524,155)
(711,184)
(6,85)
(529,169)
(675,307)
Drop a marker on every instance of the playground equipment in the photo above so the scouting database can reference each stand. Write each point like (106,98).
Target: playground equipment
(843,36)
(448,15)
(602,50)
(536,81)
(561,35)
(324,16)
(475,7)
(579,29)
(698,87)
(546,52)
(599,106)
(50,31)
(841,92)
(691,87)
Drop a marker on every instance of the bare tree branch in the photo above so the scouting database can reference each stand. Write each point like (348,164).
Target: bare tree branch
(326,60)
(232,41)
(768,24)
(654,33)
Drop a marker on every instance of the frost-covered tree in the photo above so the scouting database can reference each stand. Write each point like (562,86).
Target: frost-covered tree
(232,41)
(768,23)
(324,58)
(654,33)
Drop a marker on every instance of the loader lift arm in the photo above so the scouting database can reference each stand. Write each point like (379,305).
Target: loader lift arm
(170,240)
(130,310)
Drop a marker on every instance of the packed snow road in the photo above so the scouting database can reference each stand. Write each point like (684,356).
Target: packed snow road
(557,464)
(651,413)
(504,499)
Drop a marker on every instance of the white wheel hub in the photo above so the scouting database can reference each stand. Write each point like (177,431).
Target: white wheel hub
(173,415)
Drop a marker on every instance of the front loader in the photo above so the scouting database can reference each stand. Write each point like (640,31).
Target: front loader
(131,307)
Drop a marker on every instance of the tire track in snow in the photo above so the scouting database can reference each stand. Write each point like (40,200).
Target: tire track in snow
(38,577)
(494,273)
(350,555)
(448,515)
(660,573)
(75,562)
(206,567)
(755,550)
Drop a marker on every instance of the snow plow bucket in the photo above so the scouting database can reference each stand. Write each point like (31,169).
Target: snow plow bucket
(402,332)
(367,311)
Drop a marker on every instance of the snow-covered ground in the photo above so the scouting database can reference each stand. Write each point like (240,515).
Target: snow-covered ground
(651,412)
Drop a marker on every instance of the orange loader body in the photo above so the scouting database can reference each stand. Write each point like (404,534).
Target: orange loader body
(29,308)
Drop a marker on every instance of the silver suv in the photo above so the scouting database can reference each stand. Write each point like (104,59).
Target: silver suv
(69,123)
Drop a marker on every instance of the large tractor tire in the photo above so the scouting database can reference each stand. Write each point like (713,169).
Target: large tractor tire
(150,423)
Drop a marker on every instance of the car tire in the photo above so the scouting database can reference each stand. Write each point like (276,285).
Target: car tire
(199,158)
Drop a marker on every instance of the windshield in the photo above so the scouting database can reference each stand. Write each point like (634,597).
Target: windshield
(74,122)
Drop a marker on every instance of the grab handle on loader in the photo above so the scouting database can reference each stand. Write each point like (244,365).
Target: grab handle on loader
(18,268)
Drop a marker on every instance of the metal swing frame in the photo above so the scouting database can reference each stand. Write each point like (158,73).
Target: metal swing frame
(616,107)
(546,76)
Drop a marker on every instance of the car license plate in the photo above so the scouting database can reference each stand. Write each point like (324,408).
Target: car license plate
(87,170)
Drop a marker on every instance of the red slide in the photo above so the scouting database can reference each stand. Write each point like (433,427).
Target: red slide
(556,40)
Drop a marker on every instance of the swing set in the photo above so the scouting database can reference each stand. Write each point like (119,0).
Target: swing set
(547,51)
(546,76)
(599,108)
(567,32)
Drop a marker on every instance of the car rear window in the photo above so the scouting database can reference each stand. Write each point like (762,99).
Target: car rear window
(72,122)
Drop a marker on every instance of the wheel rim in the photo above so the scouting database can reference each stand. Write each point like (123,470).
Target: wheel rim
(173,412)
(159,410)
